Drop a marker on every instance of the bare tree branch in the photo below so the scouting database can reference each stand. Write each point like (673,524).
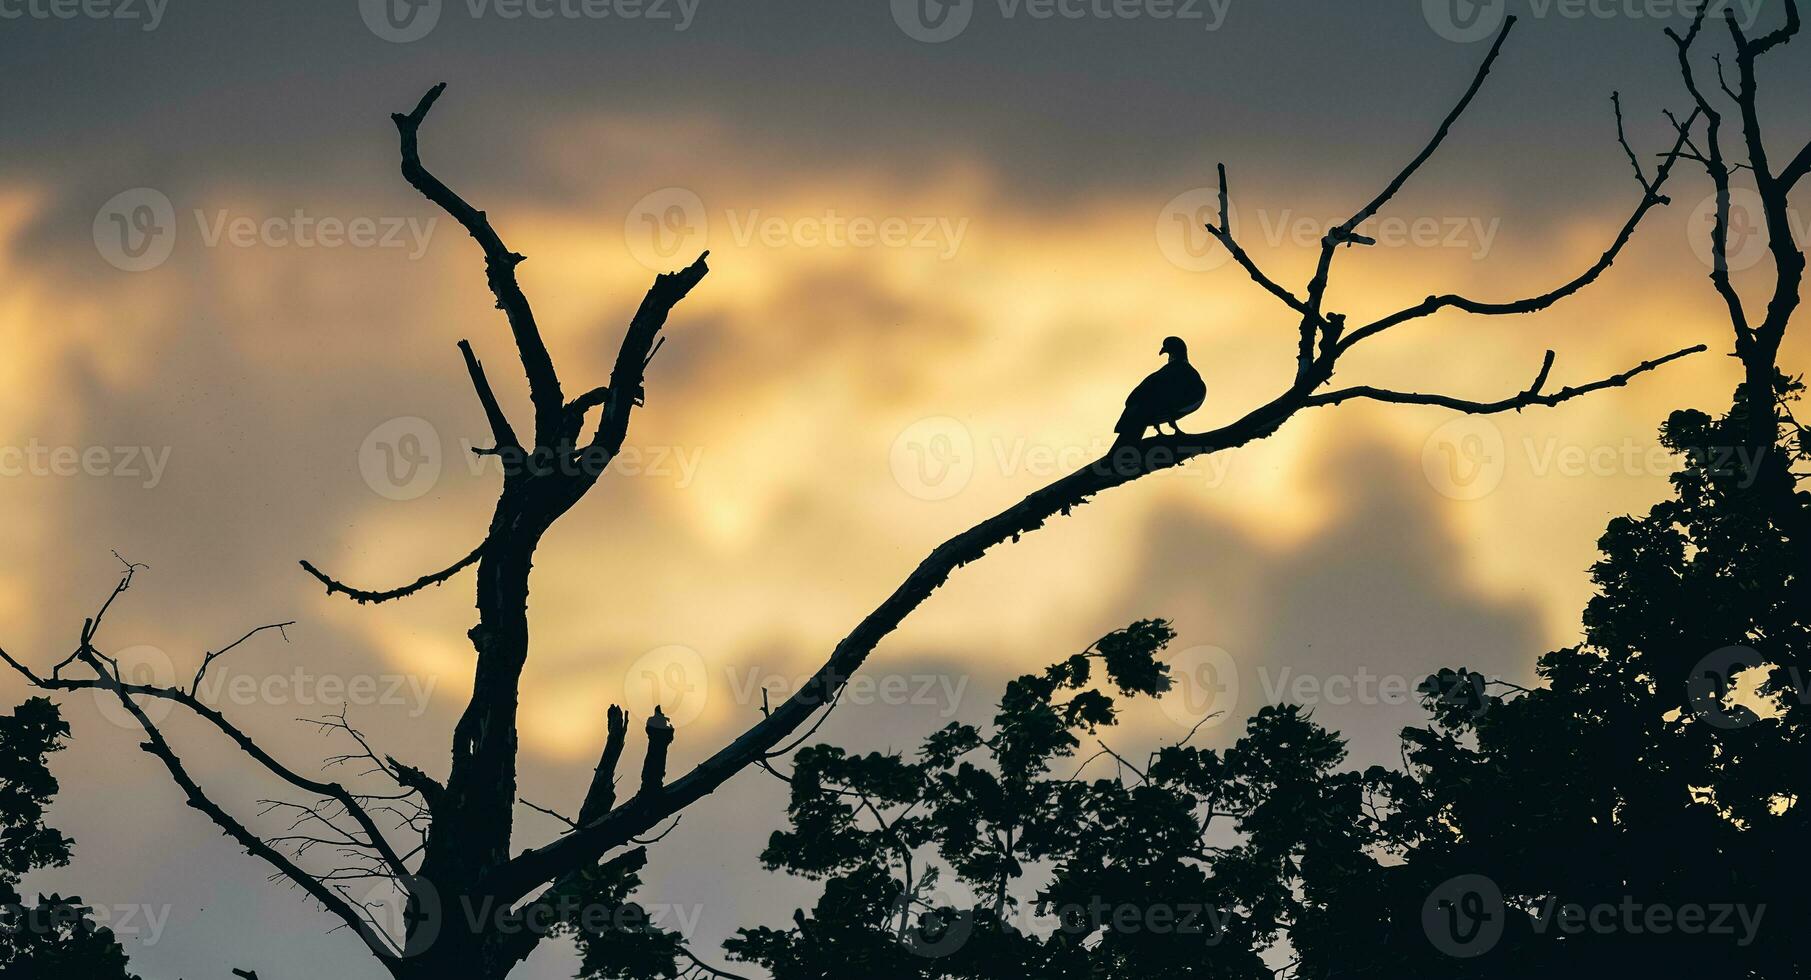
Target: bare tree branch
(1223,232)
(1346,232)
(208,659)
(1531,396)
(1778,36)
(1623,139)
(654,764)
(1340,234)
(632,357)
(500,270)
(1650,198)
(601,795)
(1719,174)
(156,745)
(363,596)
(107,679)
(1789,177)
(500,429)
(1788,261)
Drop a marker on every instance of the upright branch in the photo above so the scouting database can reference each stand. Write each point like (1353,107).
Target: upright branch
(1757,337)
(499,268)
(1314,322)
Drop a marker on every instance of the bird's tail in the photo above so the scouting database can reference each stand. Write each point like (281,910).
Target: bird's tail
(1126,431)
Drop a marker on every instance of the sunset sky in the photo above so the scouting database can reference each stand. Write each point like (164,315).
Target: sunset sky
(938,265)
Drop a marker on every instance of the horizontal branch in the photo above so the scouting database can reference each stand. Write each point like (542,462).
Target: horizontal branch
(1529,397)
(362,596)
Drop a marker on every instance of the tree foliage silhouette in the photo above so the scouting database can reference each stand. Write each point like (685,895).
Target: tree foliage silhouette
(1179,866)
(1632,779)
(53,937)
(1662,767)
(477,903)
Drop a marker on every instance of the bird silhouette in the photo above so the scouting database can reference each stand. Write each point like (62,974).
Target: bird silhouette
(1167,394)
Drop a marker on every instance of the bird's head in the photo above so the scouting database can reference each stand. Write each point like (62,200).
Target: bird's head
(1174,347)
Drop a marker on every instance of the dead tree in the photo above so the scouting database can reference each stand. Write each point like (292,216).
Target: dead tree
(1757,340)
(475,909)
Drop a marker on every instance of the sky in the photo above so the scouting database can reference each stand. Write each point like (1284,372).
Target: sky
(945,241)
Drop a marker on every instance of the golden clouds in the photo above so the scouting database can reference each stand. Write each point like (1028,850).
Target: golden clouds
(855,321)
